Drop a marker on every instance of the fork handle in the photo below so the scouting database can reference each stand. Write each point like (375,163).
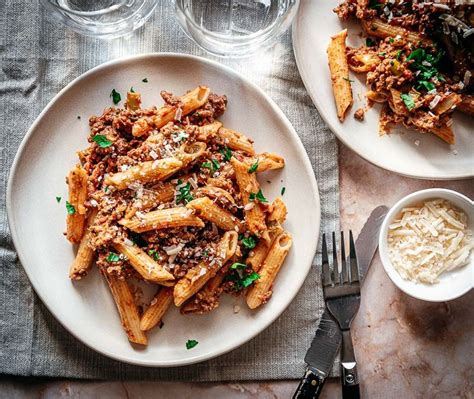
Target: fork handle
(349,376)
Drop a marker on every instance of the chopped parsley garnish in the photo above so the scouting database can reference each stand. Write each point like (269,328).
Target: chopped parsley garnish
(131,90)
(206,165)
(184,194)
(102,141)
(238,265)
(145,80)
(226,153)
(253,168)
(249,279)
(58,199)
(399,53)
(154,254)
(241,282)
(216,165)
(374,4)
(348,80)
(116,97)
(425,65)
(106,188)
(257,196)
(427,85)
(113,257)
(283,189)
(213,165)
(249,242)
(383,54)
(391,40)
(205,253)
(370,42)
(408,100)
(191,343)
(70,208)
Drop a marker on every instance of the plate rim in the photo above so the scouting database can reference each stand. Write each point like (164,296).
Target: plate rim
(334,128)
(304,157)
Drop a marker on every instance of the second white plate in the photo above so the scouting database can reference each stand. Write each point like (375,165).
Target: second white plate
(405,152)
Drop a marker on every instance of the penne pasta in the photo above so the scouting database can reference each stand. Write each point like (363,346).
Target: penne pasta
(207,298)
(162,219)
(85,254)
(236,141)
(144,172)
(215,192)
(267,161)
(254,214)
(189,153)
(144,264)
(126,307)
(189,102)
(467,105)
(134,101)
(260,292)
(377,28)
(445,133)
(76,218)
(199,275)
(208,210)
(339,69)
(157,309)
(206,132)
(448,104)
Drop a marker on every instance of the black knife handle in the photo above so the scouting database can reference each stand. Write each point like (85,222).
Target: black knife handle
(310,386)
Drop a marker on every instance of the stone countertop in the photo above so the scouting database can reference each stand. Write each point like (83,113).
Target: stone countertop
(405,348)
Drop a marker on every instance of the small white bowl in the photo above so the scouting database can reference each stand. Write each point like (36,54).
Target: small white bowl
(452,284)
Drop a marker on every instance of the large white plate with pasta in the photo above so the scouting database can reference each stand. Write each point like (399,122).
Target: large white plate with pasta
(404,151)
(36,209)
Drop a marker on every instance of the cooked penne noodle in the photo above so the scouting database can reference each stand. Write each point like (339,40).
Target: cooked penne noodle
(466,105)
(199,275)
(144,264)
(189,153)
(207,209)
(260,291)
(134,101)
(448,104)
(127,308)
(248,184)
(188,103)
(215,192)
(377,28)
(207,299)
(236,140)
(144,172)
(206,132)
(341,85)
(278,212)
(162,219)
(444,133)
(267,161)
(157,309)
(85,254)
(150,198)
(76,218)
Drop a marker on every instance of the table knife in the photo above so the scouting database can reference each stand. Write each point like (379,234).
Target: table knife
(327,340)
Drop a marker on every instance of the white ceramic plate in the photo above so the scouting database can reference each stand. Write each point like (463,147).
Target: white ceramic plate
(452,284)
(314,24)
(37,221)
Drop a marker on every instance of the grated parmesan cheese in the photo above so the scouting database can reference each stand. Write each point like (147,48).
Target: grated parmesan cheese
(427,240)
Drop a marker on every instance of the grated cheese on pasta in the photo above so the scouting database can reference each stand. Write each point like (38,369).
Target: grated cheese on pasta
(427,240)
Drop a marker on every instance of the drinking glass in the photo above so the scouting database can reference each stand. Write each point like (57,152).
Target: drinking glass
(101,18)
(235,28)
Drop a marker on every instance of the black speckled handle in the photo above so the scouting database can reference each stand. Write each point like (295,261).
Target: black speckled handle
(310,386)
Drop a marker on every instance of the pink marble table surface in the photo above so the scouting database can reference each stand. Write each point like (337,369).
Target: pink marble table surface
(405,348)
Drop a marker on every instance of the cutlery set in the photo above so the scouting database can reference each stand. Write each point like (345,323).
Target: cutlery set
(341,288)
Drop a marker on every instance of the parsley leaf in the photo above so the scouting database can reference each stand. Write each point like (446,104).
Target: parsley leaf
(216,165)
(348,80)
(116,97)
(191,343)
(426,84)
(154,254)
(206,165)
(383,54)
(244,282)
(102,141)
(408,100)
(249,279)
(254,167)
(249,242)
(213,165)
(58,199)
(283,189)
(205,253)
(145,80)
(131,90)
(257,196)
(370,42)
(113,257)
(238,265)
(226,153)
(399,53)
(70,208)
(184,194)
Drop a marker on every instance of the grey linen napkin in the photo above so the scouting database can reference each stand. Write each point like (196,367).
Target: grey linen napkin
(38,58)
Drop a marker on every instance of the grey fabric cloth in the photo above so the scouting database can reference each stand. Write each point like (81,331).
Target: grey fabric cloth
(38,58)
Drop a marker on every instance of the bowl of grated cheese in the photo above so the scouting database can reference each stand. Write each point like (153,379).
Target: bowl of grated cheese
(426,244)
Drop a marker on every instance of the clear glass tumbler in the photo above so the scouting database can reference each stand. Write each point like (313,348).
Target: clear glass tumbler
(101,18)
(235,28)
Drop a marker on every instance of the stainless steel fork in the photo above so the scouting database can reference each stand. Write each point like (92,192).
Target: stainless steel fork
(342,295)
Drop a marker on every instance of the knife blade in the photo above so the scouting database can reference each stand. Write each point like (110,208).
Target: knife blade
(367,240)
(327,340)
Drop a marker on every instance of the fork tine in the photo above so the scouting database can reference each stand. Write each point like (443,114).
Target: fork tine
(354,271)
(325,263)
(335,268)
(344,278)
